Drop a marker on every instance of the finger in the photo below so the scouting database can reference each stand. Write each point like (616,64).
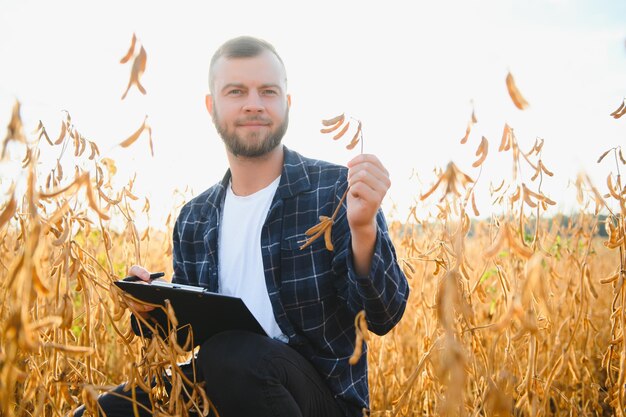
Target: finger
(364,157)
(372,159)
(366,170)
(377,184)
(140,272)
(367,194)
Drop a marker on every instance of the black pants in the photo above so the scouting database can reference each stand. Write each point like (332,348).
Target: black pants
(247,375)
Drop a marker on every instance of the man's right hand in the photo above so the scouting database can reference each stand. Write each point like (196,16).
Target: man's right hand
(144,276)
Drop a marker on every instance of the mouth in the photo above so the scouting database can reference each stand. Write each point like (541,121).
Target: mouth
(254,123)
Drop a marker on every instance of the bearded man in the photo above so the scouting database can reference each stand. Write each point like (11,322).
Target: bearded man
(242,237)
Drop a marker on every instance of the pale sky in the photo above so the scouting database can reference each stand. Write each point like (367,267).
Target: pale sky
(408,70)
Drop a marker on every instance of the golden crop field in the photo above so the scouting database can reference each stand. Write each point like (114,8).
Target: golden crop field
(518,314)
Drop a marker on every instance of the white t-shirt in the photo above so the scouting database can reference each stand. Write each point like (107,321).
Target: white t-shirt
(241,271)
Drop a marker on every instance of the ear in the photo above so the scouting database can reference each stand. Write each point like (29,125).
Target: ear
(289,100)
(208,101)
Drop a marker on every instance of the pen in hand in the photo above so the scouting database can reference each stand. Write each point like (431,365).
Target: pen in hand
(154,276)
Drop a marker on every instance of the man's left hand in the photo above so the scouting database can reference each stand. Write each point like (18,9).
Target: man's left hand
(369,182)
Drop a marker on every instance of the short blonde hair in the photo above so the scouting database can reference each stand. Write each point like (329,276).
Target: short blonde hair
(241,47)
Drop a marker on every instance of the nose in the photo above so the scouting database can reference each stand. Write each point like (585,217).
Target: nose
(254,103)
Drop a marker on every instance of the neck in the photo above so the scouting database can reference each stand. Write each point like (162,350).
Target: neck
(249,175)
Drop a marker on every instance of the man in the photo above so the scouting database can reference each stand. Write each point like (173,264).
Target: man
(243,236)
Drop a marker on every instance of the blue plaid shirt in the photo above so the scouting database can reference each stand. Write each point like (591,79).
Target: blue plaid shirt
(315,293)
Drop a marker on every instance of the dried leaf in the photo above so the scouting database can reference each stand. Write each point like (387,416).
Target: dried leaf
(110,165)
(131,50)
(515,94)
(453,178)
(15,128)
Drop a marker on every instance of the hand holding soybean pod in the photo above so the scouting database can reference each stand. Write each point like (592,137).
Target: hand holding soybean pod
(368,182)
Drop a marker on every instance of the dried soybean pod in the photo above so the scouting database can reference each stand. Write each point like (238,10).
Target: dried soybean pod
(332,128)
(356,138)
(338,119)
(132,138)
(342,131)
(131,50)
(515,94)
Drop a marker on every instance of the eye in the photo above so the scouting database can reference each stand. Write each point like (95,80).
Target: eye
(235,92)
(270,92)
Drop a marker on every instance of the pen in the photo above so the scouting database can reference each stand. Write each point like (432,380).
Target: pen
(154,276)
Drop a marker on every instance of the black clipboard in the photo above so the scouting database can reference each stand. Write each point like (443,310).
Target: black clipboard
(207,313)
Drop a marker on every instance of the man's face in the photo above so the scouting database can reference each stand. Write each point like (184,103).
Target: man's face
(249,104)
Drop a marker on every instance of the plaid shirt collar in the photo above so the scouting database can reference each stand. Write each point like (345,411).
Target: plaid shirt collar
(294,180)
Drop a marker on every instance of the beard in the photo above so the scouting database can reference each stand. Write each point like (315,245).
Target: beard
(257,143)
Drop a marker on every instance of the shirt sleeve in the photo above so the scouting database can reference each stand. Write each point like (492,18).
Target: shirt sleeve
(177,258)
(384,292)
